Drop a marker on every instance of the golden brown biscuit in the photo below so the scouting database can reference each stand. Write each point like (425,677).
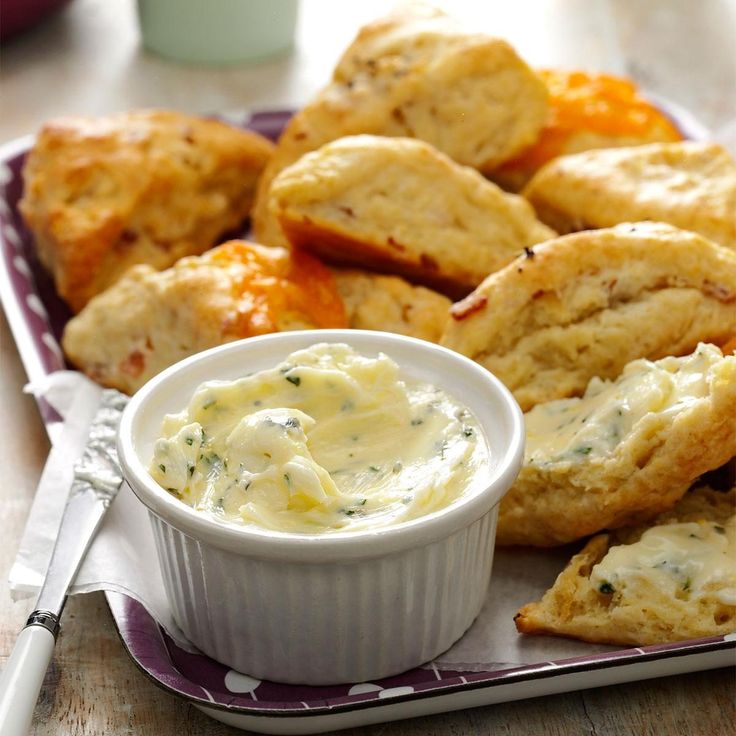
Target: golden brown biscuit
(587,111)
(729,346)
(415,74)
(102,194)
(151,319)
(667,599)
(376,302)
(584,305)
(690,185)
(623,453)
(399,205)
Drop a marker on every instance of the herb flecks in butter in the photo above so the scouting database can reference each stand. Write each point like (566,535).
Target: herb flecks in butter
(255,451)
(684,560)
(582,429)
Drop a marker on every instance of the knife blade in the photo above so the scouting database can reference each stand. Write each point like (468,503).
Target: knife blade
(97,480)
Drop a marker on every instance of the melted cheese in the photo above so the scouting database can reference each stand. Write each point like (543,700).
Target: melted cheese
(271,287)
(571,430)
(580,102)
(686,560)
(329,440)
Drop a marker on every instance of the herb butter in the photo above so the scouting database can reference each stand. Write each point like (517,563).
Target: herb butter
(329,440)
(685,560)
(570,430)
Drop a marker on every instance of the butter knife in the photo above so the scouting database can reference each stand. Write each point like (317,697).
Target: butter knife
(97,480)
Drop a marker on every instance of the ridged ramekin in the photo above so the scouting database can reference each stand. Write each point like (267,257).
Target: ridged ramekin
(338,607)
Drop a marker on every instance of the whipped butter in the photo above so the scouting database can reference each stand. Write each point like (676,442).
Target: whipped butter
(686,560)
(329,440)
(573,429)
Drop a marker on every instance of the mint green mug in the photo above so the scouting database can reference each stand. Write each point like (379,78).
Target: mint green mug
(217,31)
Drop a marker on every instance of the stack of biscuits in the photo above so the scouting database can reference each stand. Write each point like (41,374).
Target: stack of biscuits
(599,284)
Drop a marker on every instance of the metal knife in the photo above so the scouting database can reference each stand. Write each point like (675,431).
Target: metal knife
(97,480)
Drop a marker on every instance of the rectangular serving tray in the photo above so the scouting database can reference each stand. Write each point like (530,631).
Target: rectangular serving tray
(37,316)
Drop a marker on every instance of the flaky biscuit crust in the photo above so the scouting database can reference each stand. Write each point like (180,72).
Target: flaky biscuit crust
(646,474)
(103,194)
(377,302)
(572,607)
(151,319)
(688,184)
(415,74)
(584,305)
(398,205)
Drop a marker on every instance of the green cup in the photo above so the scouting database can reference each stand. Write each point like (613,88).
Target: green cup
(218,31)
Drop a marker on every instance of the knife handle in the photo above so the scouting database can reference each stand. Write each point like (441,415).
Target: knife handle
(22,676)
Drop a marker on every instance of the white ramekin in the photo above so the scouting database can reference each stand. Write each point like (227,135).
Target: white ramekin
(326,609)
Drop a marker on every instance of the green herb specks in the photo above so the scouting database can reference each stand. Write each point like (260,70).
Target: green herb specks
(606,588)
(353,511)
(293,379)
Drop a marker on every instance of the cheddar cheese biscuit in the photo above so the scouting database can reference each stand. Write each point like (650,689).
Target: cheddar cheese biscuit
(624,452)
(376,302)
(103,194)
(584,305)
(671,581)
(587,111)
(399,205)
(415,74)
(151,319)
(688,184)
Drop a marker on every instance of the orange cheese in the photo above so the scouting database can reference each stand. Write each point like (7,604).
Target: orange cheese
(274,281)
(594,103)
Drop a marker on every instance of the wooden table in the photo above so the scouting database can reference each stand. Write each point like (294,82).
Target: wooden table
(88,60)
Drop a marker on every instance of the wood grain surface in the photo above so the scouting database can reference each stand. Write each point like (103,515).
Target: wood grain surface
(88,60)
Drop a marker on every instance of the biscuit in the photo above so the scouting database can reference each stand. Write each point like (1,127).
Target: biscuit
(729,346)
(690,185)
(103,194)
(587,111)
(151,319)
(584,305)
(399,205)
(625,452)
(376,302)
(415,74)
(648,606)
